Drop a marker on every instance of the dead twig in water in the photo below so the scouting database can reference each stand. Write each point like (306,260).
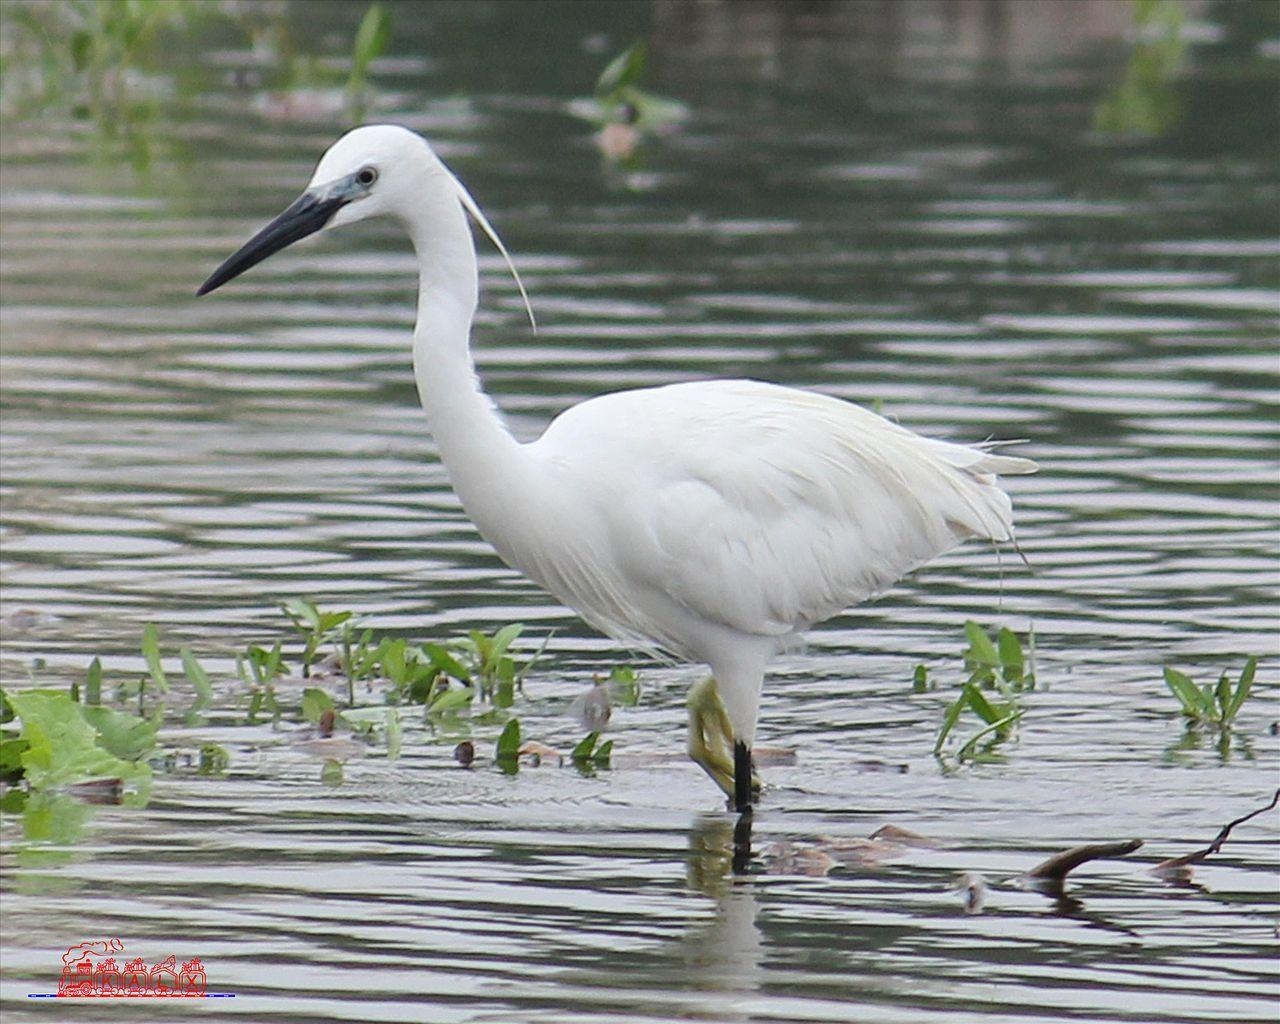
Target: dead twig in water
(1178,869)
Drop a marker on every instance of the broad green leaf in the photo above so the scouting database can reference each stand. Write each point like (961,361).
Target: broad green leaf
(981,650)
(584,748)
(446,662)
(504,638)
(508,748)
(302,612)
(63,746)
(392,658)
(315,702)
(986,710)
(1011,661)
(1187,692)
(603,754)
(920,679)
(126,736)
(452,699)
(151,652)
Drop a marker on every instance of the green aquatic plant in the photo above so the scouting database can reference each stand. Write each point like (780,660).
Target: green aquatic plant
(61,743)
(1000,670)
(1146,101)
(506,752)
(1212,705)
(619,104)
(370,42)
(590,753)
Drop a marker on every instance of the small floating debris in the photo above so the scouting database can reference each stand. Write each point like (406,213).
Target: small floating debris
(787,858)
(972,887)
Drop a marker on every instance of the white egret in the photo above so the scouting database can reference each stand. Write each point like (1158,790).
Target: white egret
(711,520)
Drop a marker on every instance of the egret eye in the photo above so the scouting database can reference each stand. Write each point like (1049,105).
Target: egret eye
(366,176)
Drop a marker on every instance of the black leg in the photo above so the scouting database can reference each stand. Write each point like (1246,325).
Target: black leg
(741,777)
(742,843)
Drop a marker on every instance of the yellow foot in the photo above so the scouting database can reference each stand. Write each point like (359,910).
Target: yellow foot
(711,736)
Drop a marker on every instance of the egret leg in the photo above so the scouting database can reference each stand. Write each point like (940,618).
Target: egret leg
(713,748)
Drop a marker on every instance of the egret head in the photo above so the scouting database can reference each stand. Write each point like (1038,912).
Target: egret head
(370,171)
(375,170)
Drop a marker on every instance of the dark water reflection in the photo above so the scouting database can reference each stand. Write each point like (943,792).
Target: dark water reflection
(922,218)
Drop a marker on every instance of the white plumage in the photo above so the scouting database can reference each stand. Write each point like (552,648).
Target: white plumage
(713,520)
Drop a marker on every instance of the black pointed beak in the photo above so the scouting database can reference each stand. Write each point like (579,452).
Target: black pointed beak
(304,217)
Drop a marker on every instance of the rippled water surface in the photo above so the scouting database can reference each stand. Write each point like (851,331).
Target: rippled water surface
(938,233)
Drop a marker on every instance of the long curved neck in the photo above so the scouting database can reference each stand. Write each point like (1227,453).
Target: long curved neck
(484,462)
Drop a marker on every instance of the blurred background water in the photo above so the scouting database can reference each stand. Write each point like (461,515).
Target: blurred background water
(1054,221)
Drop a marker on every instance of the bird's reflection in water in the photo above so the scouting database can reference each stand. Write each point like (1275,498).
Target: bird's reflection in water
(727,950)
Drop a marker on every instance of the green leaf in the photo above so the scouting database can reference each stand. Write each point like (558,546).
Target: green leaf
(446,662)
(584,749)
(391,656)
(1222,696)
(126,736)
(199,678)
(981,652)
(920,679)
(1012,665)
(395,734)
(503,639)
(1243,688)
(63,745)
(999,726)
(11,750)
(451,700)
(1187,692)
(151,652)
(93,683)
(315,702)
(984,708)
(603,754)
(331,773)
(508,748)
(949,720)
(625,69)
(371,39)
(366,717)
